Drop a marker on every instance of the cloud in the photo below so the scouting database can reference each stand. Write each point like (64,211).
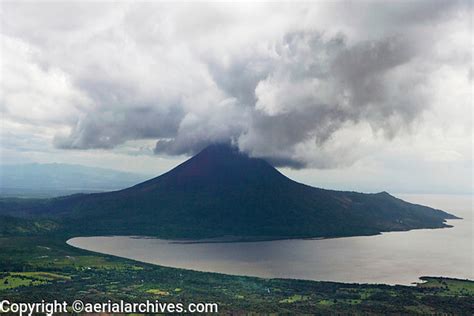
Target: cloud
(281,82)
(112,128)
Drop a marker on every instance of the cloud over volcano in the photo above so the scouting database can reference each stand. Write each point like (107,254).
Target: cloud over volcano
(300,85)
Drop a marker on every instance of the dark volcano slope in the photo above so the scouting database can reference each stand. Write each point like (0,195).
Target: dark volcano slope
(221,192)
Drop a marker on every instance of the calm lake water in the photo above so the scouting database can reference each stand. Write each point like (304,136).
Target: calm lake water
(392,258)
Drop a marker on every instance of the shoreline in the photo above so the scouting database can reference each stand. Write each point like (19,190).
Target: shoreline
(419,281)
(240,239)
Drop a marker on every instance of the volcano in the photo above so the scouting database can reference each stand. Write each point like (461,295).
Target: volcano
(223,192)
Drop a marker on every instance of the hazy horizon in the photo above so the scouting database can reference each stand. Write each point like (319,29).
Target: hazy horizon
(124,180)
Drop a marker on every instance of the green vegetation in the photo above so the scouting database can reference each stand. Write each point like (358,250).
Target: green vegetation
(158,292)
(35,268)
(19,226)
(448,287)
(294,298)
(11,280)
(8,281)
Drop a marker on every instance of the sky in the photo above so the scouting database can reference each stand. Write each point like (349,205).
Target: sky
(355,95)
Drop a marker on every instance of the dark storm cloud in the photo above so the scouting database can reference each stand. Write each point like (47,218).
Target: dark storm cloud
(305,90)
(319,85)
(281,89)
(111,128)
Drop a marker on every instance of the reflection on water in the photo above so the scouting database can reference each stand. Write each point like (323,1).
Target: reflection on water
(393,258)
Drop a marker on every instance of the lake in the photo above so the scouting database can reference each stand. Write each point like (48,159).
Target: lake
(391,258)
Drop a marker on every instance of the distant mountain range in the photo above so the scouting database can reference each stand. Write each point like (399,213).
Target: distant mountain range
(222,192)
(61,179)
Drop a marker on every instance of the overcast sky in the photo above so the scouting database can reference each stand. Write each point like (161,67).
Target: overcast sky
(359,95)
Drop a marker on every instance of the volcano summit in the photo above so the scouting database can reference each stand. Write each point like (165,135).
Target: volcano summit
(223,192)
